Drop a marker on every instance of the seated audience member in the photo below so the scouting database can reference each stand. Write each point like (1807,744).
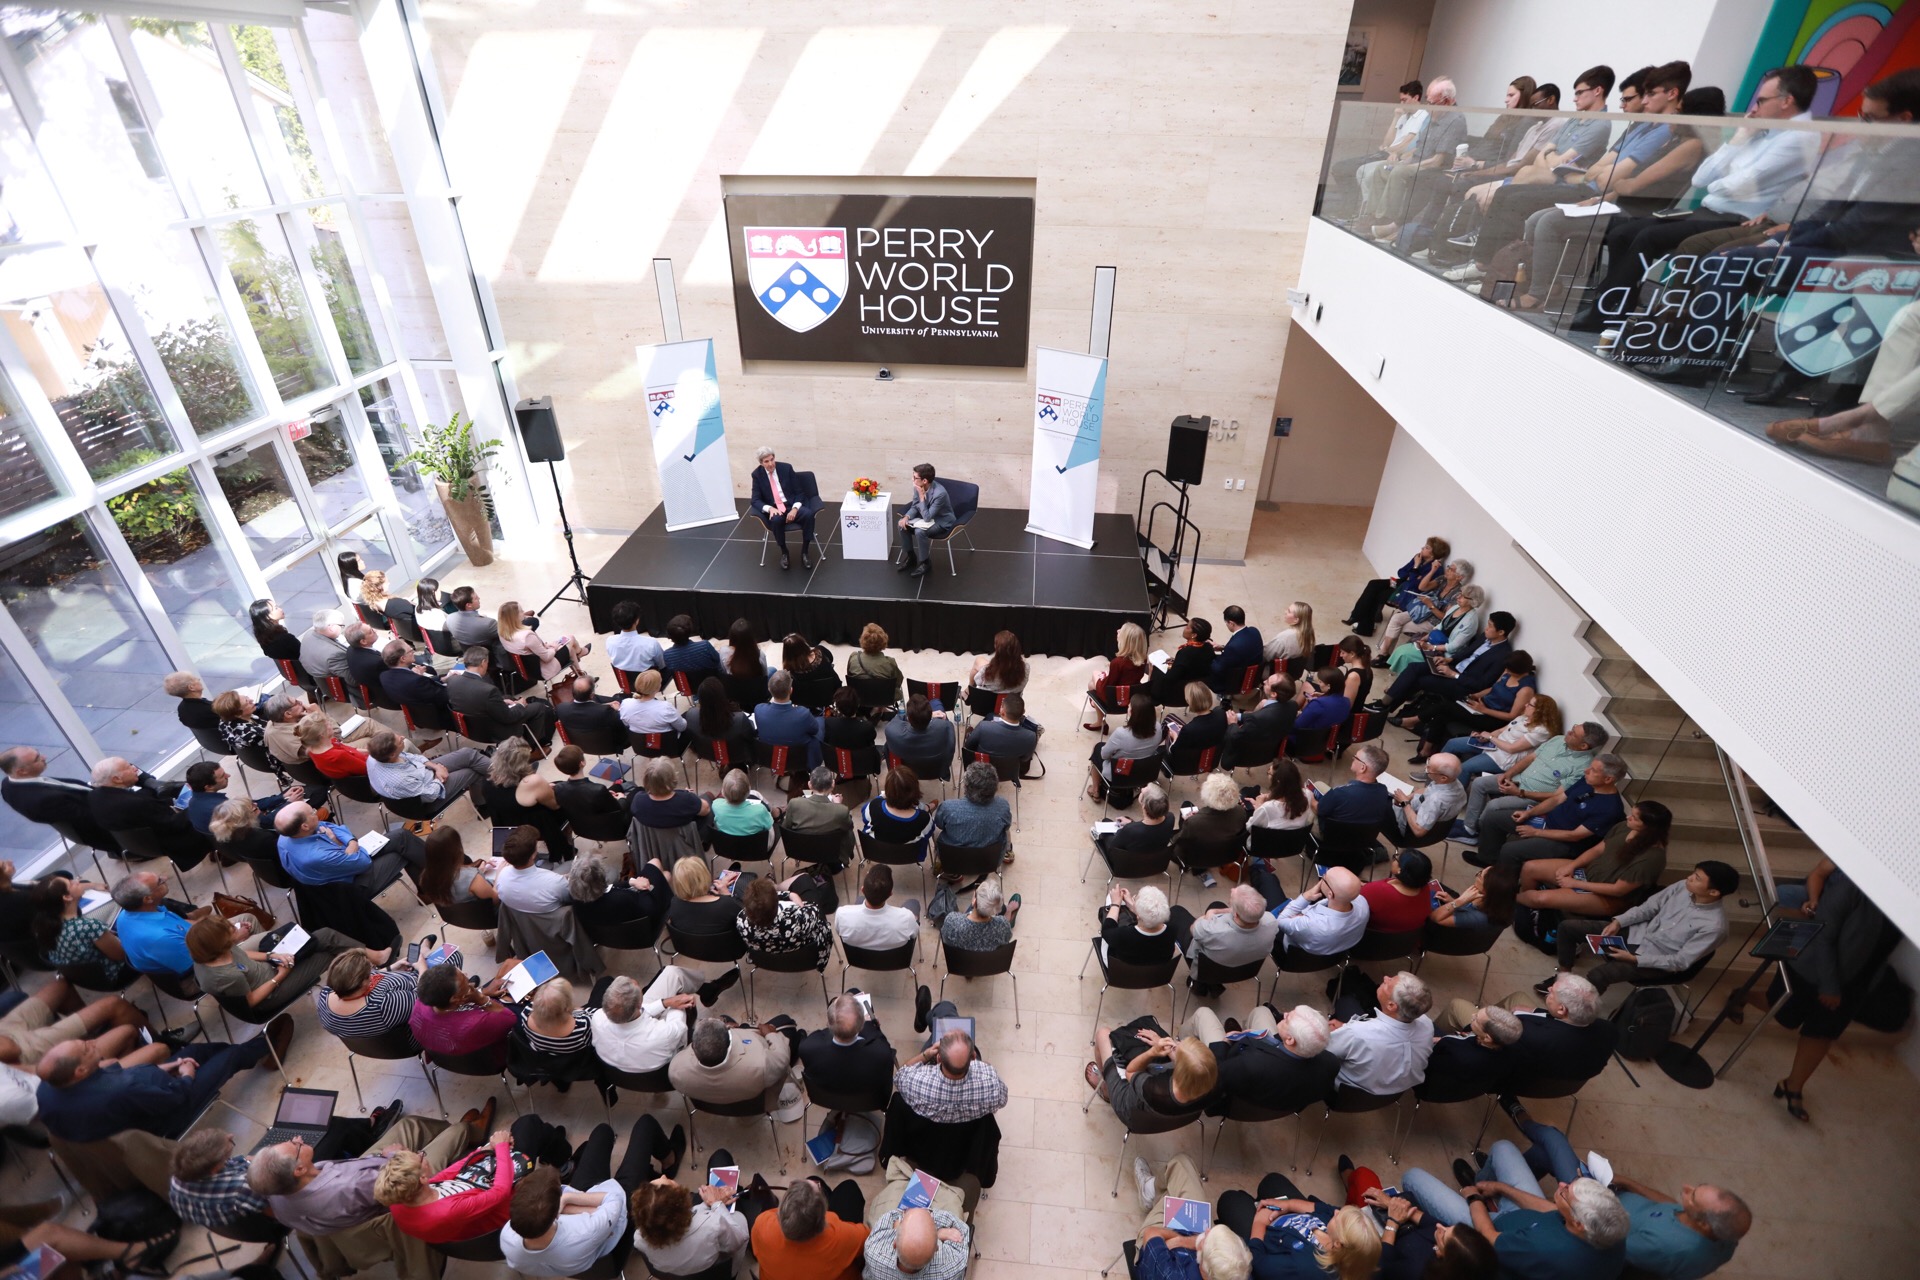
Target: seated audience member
(1419,608)
(315,852)
(1572,817)
(584,800)
(567,1229)
(1218,822)
(870,662)
(771,920)
(359,1000)
(1289,1234)
(919,734)
(1665,935)
(125,799)
(241,725)
(1004,670)
(1286,803)
(845,727)
(38,798)
(1243,649)
(1610,875)
(1135,928)
(983,926)
(1432,807)
(1255,737)
(1488,901)
(1578,1234)
(1277,1063)
(818,812)
(207,1183)
(86,1096)
(813,1235)
(780,722)
(1206,724)
(1474,1061)
(979,816)
(473,693)
(811,666)
(1453,635)
(696,906)
(1682,1238)
(640,1030)
(523,886)
(555,1029)
(452,1016)
(721,726)
(319,1189)
(469,624)
(629,648)
(1887,404)
(1401,901)
(1432,689)
(1193,660)
(195,711)
(1386,1051)
(684,653)
(1365,801)
(1164,1254)
(930,1243)
(281,715)
(405,682)
(55,1013)
(153,929)
(732,1064)
(1530,776)
(1325,920)
(896,816)
(647,711)
(1144,1072)
(850,1055)
(686,1233)
(1508,699)
(319,737)
(661,805)
(1493,752)
(469,1198)
(515,793)
(1324,707)
(1008,734)
(601,905)
(1140,738)
(1567,1039)
(1128,671)
(255,978)
(516,637)
(589,716)
(398,774)
(63,934)
(364,661)
(448,876)
(949,1082)
(738,810)
(873,924)
(323,647)
(1231,933)
(1151,831)
(207,784)
(742,665)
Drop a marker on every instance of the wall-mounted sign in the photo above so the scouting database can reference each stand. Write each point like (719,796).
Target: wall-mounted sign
(299,430)
(877,279)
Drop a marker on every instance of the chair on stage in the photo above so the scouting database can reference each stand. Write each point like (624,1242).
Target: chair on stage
(965,497)
(807,502)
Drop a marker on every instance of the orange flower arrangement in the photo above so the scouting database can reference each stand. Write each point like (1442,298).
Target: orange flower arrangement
(866,488)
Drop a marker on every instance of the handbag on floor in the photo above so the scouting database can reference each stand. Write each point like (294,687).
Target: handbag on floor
(231,905)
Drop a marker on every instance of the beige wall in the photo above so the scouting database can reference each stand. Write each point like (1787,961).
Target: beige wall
(1174,142)
(1340,435)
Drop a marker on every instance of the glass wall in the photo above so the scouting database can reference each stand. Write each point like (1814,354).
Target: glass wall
(211,321)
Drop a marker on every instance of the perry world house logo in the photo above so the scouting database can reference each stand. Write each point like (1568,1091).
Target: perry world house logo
(799,274)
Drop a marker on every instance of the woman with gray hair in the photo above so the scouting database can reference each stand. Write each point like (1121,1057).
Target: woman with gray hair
(1458,630)
(987,924)
(517,795)
(1221,818)
(1425,606)
(599,905)
(1134,926)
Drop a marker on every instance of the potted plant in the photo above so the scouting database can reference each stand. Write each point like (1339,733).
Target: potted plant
(456,462)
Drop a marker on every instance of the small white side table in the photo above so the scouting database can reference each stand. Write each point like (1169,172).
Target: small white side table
(864,534)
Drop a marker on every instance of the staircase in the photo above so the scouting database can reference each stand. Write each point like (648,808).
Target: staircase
(1674,762)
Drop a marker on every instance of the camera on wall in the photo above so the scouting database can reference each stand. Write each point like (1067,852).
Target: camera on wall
(885,375)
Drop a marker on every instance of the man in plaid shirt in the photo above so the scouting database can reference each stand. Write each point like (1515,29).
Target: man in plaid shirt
(949,1084)
(209,1185)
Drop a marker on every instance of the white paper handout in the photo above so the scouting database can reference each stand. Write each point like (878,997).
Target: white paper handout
(373,842)
(1604,209)
(288,948)
(1158,658)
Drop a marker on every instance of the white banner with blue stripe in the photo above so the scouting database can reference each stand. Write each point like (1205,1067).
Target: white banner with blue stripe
(689,436)
(1070,393)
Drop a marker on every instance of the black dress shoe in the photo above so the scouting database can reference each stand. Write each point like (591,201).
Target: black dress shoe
(1780,388)
(922,1005)
(784,562)
(905,565)
(806,556)
(1465,1174)
(919,570)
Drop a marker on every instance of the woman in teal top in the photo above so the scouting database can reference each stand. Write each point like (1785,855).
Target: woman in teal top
(1461,626)
(738,813)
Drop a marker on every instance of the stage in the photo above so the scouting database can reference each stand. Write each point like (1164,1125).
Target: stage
(1058,599)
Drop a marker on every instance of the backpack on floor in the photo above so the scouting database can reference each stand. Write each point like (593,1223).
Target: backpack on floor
(1536,928)
(1650,1017)
(139,1215)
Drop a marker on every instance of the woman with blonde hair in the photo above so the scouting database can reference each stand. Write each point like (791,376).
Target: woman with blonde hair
(373,590)
(1495,750)
(1128,670)
(1295,639)
(696,908)
(1206,724)
(239,836)
(872,662)
(1321,1239)
(517,637)
(471,1196)
(1127,1071)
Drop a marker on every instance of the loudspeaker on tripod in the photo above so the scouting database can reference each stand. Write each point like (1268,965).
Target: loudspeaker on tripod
(540,430)
(1187,449)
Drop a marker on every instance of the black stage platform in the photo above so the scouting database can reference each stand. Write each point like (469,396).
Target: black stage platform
(1057,598)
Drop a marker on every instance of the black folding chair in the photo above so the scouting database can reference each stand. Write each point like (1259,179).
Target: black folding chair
(709,948)
(389,1046)
(1346,844)
(813,848)
(627,935)
(1348,1100)
(874,695)
(850,764)
(1205,972)
(611,1078)
(1292,960)
(1439,940)
(970,860)
(798,960)
(962,963)
(1130,864)
(601,742)
(787,764)
(895,855)
(1124,975)
(754,1106)
(491,1061)
(753,848)
(898,959)
(1273,844)
(1194,764)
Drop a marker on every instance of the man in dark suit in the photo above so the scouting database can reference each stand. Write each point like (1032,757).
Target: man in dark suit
(196,709)
(1243,649)
(1192,661)
(1567,1040)
(1281,1064)
(208,783)
(474,694)
(406,682)
(468,626)
(1445,684)
(124,799)
(1009,734)
(930,502)
(850,1054)
(782,724)
(363,658)
(781,500)
(588,716)
(38,798)
(1476,1061)
(1254,738)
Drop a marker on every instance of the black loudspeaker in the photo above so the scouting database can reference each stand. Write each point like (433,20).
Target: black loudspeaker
(540,430)
(1187,449)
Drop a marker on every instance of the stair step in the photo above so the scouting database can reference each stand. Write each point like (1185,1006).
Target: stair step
(1603,644)
(1624,676)
(1645,707)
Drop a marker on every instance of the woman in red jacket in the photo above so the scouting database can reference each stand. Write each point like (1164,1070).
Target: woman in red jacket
(471,1196)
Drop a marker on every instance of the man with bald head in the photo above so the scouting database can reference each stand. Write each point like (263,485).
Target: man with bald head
(86,1096)
(949,1083)
(153,930)
(930,1244)
(850,1054)
(318,853)
(126,799)
(1433,807)
(1328,918)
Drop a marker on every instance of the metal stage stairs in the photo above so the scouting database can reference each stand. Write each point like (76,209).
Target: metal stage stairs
(1165,551)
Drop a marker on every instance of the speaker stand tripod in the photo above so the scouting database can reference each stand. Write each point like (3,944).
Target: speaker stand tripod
(576,583)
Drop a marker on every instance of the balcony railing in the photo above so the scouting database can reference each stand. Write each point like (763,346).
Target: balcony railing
(1766,271)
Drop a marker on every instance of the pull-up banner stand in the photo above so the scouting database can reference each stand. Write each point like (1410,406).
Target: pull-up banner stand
(1070,391)
(689,437)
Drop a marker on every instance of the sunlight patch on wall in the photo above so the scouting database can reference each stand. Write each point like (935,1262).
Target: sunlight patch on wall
(845,88)
(501,126)
(657,130)
(1007,58)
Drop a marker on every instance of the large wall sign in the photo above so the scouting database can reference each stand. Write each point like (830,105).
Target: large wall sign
(877,279)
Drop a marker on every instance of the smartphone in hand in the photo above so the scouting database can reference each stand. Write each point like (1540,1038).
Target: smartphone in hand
(413,953)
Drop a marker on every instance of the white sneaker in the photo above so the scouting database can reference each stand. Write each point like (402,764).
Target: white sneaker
(1465,271)
(1143,1178)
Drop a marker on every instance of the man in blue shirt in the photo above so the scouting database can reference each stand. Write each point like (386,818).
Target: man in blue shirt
(629,649)
(315,852)
(1365,800)
(1243,649)
(1166,1253)
(1563,825)
(153,931)
(85,1097)
(782,724)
